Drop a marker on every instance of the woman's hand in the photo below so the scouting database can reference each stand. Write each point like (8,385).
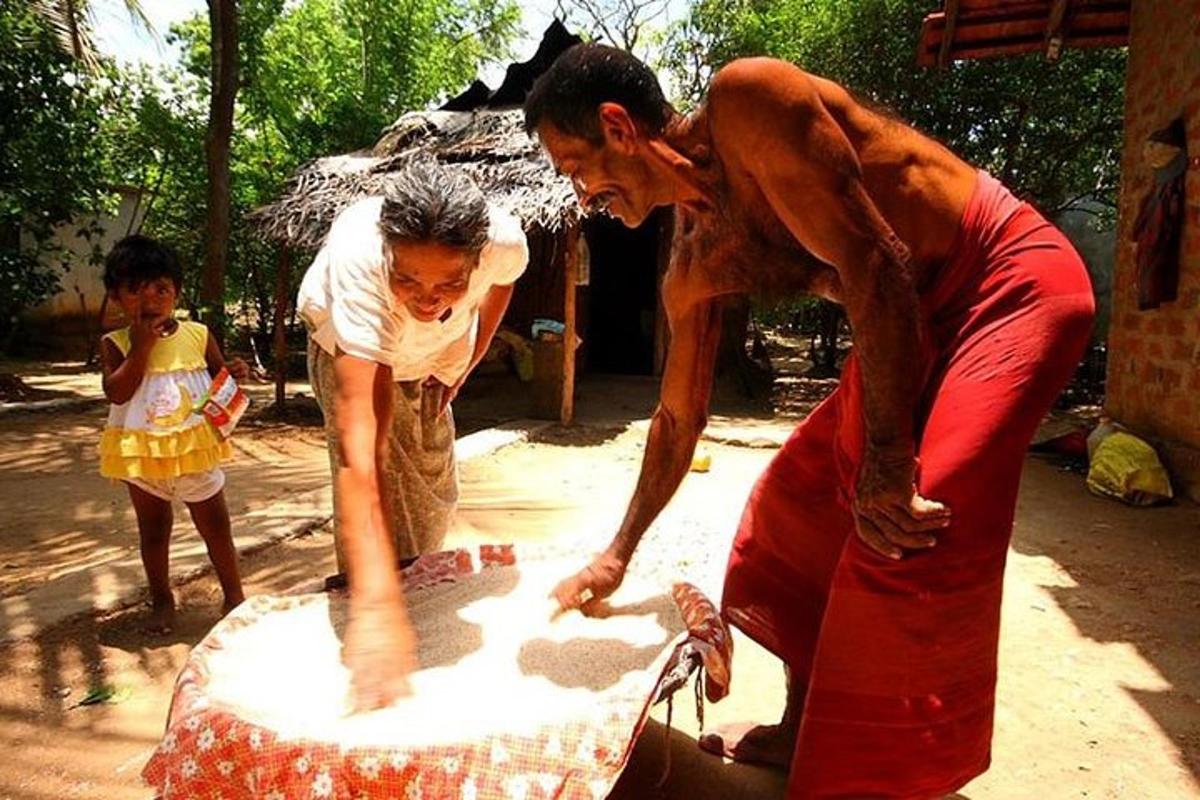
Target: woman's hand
(380,651)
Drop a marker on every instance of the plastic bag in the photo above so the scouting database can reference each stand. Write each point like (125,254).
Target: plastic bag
(1128,469)
(522,353)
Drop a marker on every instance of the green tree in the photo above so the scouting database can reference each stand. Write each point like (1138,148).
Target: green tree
(218,139)
(1050,131)
(51,166)
(71,23)
(633,25)
(317,77)
(326,76)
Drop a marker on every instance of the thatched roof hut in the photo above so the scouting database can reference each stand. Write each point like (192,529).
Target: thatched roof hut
(481,132)
(489,145)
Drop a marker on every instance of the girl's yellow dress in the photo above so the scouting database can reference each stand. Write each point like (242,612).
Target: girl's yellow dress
(159,433)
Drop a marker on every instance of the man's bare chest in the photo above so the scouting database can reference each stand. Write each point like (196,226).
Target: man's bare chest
(740,246)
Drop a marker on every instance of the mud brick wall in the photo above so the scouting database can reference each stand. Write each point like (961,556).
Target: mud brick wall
(1154,356)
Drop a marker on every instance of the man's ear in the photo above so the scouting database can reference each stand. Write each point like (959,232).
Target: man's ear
(619,129)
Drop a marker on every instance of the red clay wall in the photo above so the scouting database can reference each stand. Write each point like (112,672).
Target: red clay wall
(1154,356)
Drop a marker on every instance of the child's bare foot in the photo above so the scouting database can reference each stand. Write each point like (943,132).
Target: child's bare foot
(162,617)
(771,745)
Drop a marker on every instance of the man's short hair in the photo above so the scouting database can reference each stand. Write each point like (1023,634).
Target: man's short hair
(137,260)
(569,94)
(428,202)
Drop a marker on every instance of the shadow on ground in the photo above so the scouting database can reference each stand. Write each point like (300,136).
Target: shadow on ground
(1134,579)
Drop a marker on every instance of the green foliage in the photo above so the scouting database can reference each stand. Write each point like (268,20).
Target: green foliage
(320,77)
(51,170)
(1051,131)
(326,76)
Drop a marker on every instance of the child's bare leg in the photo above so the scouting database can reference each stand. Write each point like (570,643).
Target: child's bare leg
(212,521)
(155,519)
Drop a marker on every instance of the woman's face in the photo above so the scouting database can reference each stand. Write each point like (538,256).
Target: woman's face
(428,277)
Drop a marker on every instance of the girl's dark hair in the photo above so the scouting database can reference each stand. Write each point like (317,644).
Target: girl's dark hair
(586,75)
(137,259)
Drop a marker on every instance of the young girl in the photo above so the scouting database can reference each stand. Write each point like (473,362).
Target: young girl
(156,370)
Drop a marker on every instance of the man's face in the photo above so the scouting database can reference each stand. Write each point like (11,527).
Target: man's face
(427,278)
(612,176)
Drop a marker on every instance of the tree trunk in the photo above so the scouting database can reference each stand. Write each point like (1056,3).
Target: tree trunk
(283,281)
(738,375)
(824,356)
(222,15)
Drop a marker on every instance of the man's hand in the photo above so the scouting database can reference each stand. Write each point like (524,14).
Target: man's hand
(380,652)
(239,370)
(889,514)
(586,588)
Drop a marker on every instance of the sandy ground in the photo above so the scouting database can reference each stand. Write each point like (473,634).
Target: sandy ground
(1099,693)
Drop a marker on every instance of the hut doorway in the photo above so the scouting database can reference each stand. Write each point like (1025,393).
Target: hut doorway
(621,305)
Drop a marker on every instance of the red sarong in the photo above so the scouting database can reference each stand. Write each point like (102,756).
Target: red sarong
(898,659)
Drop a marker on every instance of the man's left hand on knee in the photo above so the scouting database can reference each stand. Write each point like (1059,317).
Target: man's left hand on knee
(890,516)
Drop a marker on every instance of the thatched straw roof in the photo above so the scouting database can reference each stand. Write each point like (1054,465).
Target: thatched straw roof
(491,146)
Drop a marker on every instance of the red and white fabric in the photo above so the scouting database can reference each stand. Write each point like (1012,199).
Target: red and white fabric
(210,752)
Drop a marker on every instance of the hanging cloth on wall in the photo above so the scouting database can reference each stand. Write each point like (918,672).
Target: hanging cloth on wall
(1158,229)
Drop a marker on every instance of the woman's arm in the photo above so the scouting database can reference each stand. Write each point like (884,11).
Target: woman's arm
(378,647)
(491,312)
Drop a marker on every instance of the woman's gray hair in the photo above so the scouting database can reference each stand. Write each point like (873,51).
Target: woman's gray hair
(427,202)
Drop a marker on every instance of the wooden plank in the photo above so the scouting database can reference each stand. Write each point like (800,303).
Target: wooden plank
(571,270)
(283,281)
(1021,28)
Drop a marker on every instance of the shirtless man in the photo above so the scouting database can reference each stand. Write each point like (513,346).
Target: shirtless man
(871,553)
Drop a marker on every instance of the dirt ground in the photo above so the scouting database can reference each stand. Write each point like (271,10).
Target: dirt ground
(1099,693)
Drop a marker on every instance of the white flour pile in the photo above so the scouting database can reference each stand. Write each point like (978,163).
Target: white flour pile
(491,661)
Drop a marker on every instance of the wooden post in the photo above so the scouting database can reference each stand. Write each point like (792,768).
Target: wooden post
(948,33)
(1054,30)
(283,281)
(571,281)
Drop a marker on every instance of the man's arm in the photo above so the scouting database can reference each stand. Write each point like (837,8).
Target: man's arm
(379,645)
(768,115)
(674,430)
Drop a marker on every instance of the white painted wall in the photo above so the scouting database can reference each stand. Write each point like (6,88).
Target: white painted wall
(82,276)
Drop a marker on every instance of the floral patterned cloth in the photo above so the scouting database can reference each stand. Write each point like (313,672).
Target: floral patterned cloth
(209,752)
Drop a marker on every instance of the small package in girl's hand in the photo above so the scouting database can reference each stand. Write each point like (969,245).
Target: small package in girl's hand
(225,403)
